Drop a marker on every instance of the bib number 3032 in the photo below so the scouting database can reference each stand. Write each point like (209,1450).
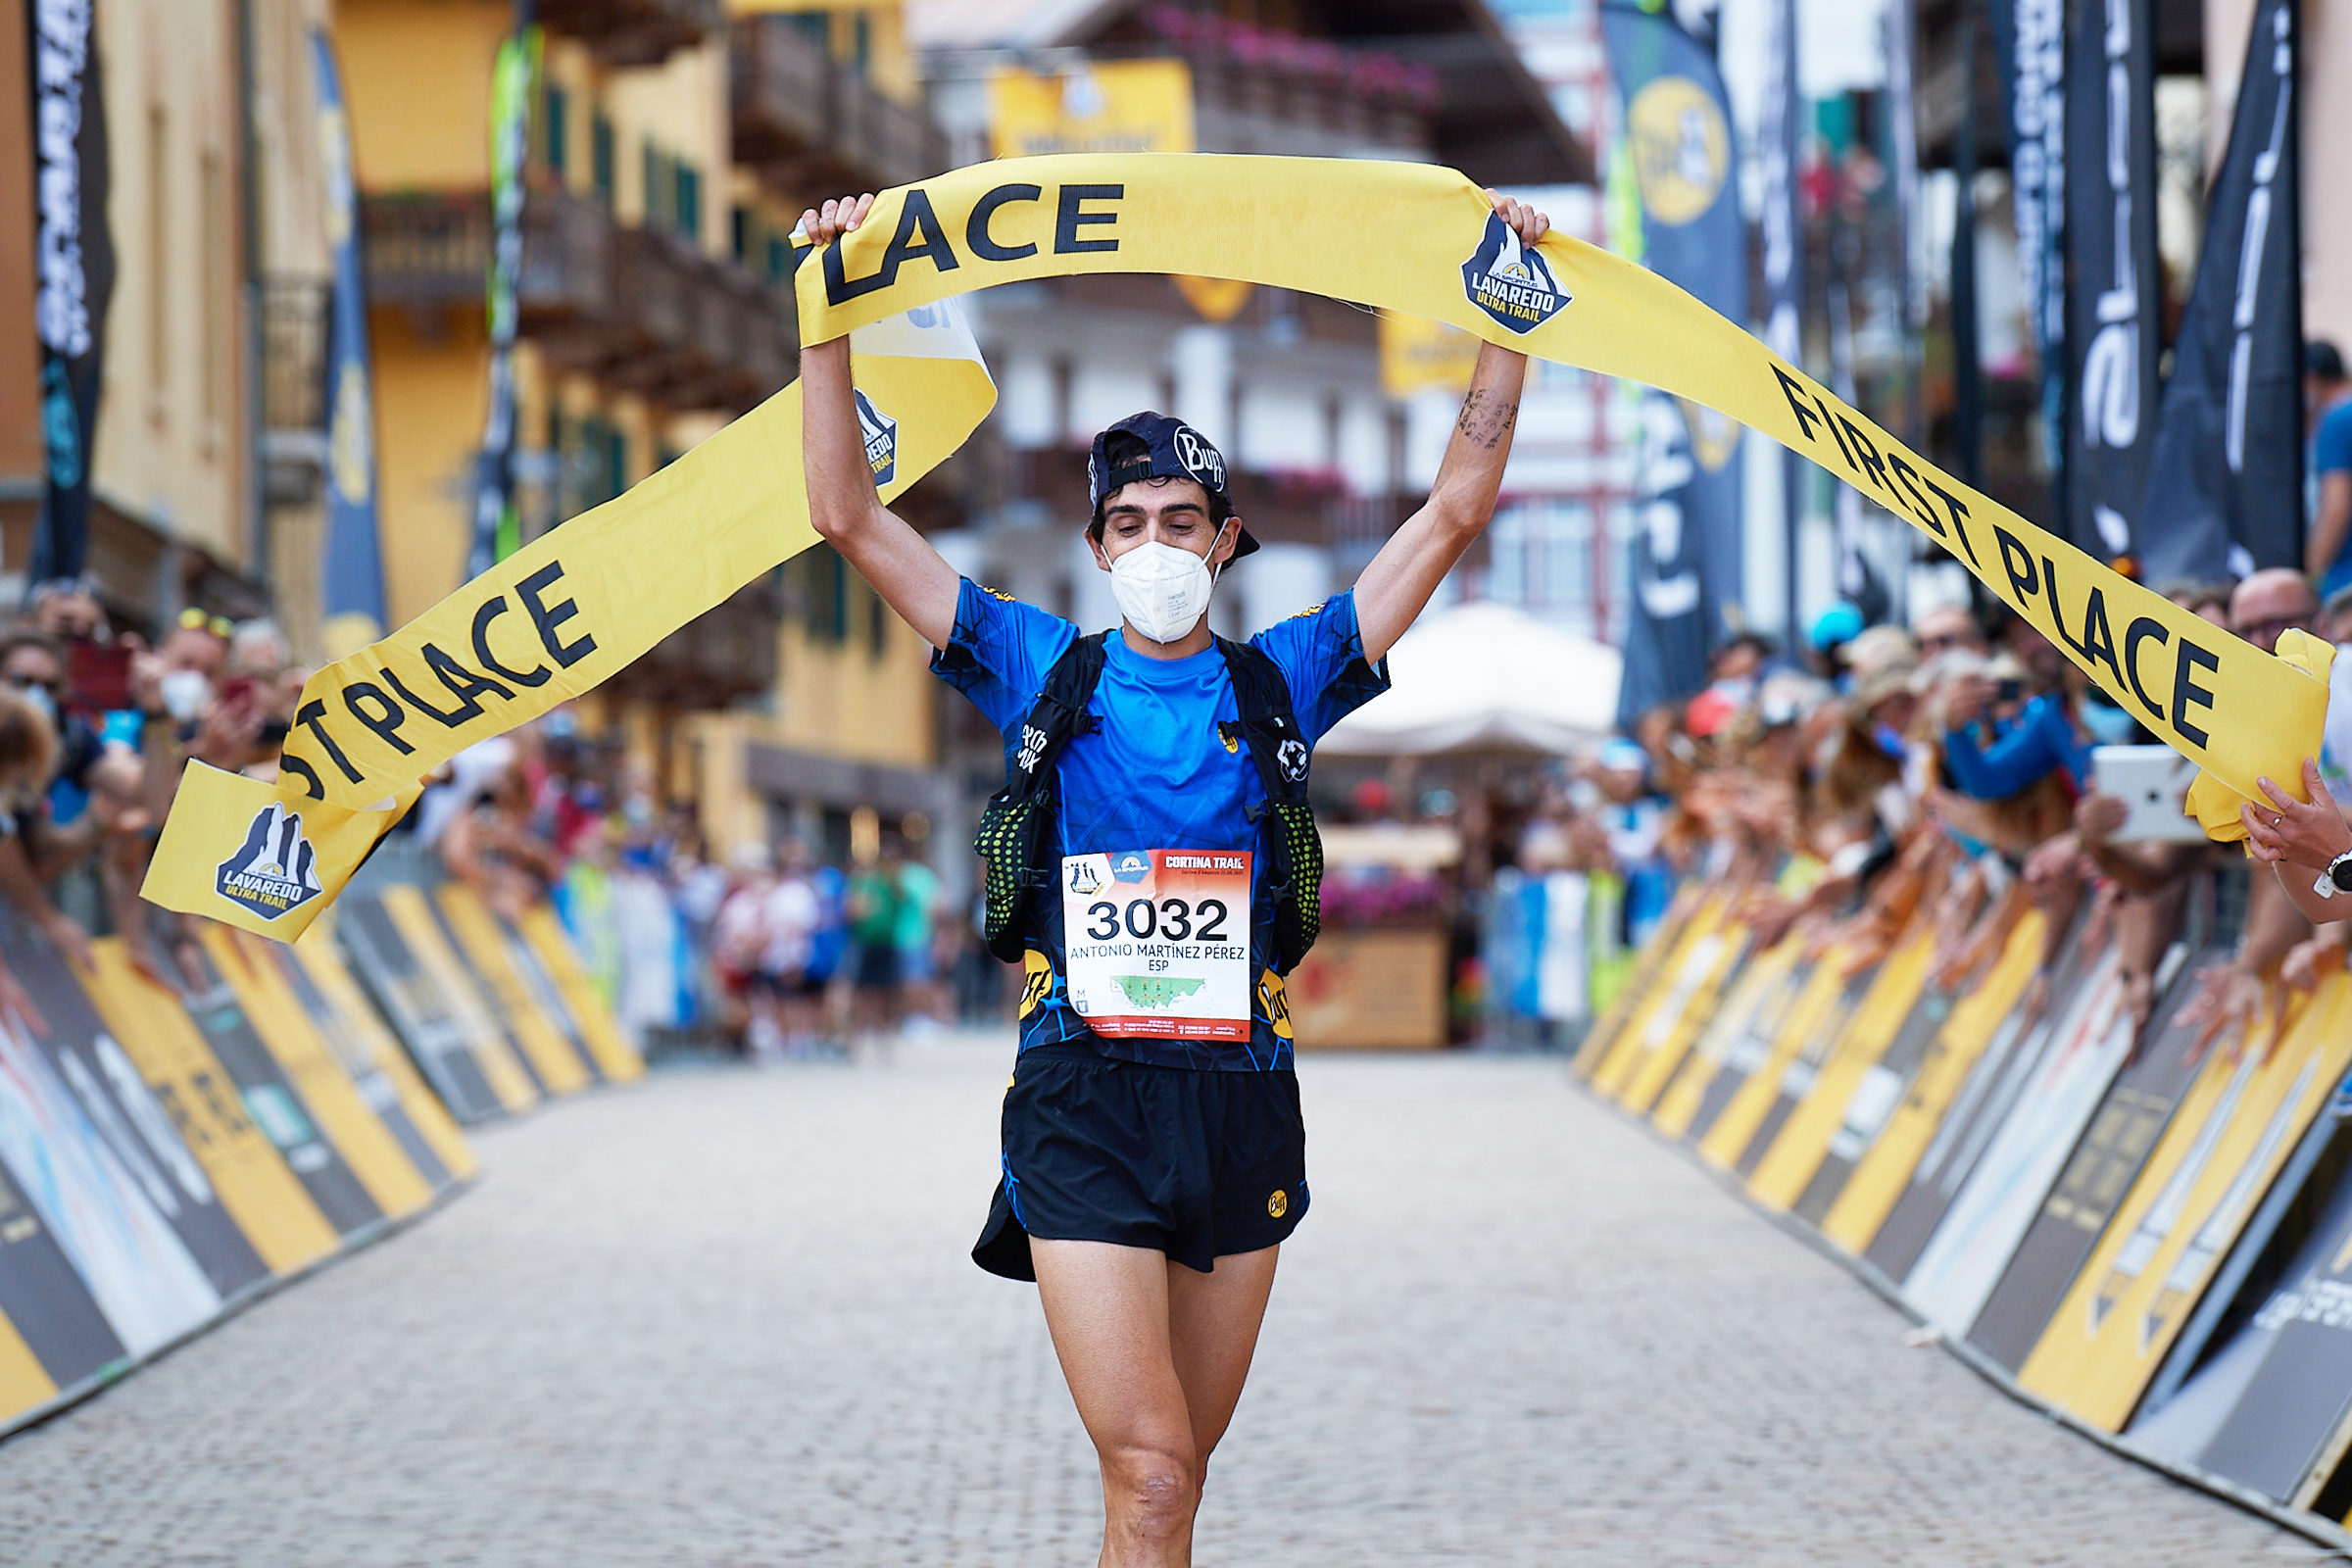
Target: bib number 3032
(1157,942)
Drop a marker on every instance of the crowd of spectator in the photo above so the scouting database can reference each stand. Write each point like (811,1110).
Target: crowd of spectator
(765,950)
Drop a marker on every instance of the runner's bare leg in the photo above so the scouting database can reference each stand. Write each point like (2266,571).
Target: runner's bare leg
(1110,1310)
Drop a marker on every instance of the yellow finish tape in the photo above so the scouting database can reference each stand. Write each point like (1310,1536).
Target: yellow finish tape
(579,604)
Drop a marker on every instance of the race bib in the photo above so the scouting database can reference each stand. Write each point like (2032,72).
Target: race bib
(1157,942)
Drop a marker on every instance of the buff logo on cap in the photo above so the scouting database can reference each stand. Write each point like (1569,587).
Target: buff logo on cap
(274,871)
(881,433)
(1201,460)
(1510,282)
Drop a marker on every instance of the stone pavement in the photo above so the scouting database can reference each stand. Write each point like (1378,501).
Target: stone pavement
(726,1318)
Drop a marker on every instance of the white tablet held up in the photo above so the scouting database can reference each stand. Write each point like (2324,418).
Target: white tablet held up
(2153,781)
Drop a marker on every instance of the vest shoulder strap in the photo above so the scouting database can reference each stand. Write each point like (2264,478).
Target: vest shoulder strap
(1058,714)
(1276,743)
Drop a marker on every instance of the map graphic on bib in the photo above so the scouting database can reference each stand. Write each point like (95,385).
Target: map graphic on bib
(1157,942)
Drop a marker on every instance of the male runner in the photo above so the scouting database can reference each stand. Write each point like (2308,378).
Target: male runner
(1152,1169)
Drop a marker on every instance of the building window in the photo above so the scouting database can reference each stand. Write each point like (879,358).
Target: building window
(686,201)
(616,462)
(739,236)
(655,177)
(601,157)
(818,24)
(824,594)
(862,40)
(779,260)
(877,624)
(158,317)
(556,138)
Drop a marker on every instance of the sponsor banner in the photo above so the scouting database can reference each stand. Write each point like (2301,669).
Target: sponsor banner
(73,270)
(1756,981)
(315,972)
(2117,1144)
(599,1028)
(349,1122)
(1821,1110)
(1592,1052)
(544,996)
(1668,1041)
(2225,493)
(2113,282)
(1108,106)
(53,1334)
(437,1037)
(1793,1080)
(1674,943)
(272,1098)
(351,577)
(260,1192)
(2234,1131)
(1742,1051)
(1886,1170)
(2088,1040)
(475,936)
(410,912)
(1820,1006)
(578,604)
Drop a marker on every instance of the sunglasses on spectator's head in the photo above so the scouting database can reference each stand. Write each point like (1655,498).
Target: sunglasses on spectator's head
(195,619)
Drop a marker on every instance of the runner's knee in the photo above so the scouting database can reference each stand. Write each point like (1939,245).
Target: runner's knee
(1154,1486)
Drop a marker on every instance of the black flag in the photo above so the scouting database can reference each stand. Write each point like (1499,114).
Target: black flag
(1686,565)
(74,271)
(2111,330)
(2226,486)
(2030,37)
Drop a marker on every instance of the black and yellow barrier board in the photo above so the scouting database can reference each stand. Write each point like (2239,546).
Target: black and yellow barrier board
(2270,1409)
(53,1334)
(1818,1106)
(332,1097)
(439,1038)
(2060,1085)
(1813,1016)
(265,1198)
(473,937)
(544,938)
(1973,1119)
(2099,1171)
(1758,993)
(269,1093)
(1887,1169)
(1695,946)
(1640,982)
(506,1070)
(1657,1053)
(2232,1132)
(313,972)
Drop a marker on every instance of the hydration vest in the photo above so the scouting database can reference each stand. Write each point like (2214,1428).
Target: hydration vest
(1018,837)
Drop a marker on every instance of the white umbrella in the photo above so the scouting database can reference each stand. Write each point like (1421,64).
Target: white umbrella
(1486,677)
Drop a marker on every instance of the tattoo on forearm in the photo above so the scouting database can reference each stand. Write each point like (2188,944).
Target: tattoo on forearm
(1485,421)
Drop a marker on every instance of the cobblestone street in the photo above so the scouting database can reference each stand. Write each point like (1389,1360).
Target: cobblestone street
(727,1318)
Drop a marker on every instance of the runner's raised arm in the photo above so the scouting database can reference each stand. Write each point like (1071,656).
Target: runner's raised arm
(911,577)
(1395,587)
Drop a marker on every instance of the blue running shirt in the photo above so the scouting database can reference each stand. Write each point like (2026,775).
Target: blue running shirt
(1156,773)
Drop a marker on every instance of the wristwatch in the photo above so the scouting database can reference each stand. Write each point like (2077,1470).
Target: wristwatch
(2337,878)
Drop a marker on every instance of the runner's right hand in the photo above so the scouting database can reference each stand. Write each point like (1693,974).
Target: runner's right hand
(840,214)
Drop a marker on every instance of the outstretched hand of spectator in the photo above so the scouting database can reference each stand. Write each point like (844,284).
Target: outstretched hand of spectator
(2310,961)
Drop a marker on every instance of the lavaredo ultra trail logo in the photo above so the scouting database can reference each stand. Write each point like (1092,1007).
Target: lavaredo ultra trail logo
(1510,282)
(881,433)
(274,871)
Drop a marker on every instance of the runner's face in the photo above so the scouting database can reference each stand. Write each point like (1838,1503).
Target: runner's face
(1172,512)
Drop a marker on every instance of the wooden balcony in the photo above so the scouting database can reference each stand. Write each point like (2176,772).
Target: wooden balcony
(633,33)
(809,124)
(639,310)
(725,654)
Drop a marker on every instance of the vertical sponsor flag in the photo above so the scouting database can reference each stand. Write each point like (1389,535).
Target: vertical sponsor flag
(2031,38)
(2225,482)
(515,78)
(1686,544)
(352,572)
(1780,133)
(73,270)
(2113,283)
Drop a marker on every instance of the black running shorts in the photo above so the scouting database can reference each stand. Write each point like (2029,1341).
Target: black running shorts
(1197,1165)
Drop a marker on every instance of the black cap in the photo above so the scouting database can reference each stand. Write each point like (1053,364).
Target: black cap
(1170,450)
(2321,359)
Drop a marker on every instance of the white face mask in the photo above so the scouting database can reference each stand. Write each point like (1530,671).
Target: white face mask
(1162,590)
(184,693)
